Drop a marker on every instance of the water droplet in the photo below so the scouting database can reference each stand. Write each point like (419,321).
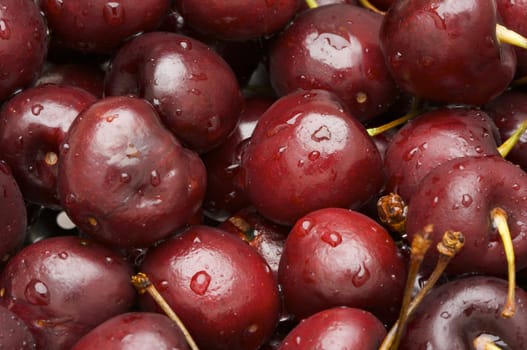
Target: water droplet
(108,259)
(410,154)
(200,282)
(516,186)
(195,91)
(113,13)
(155,178)
(479,149)
(125,178)
(55,6)
(5,31)
(185,44)
(361,276)
(64,148)
(70,198)
(304,227)
(163,285)
(198,76)
(445,314)
(332,238)
(63,255)
(321,134)
(36,109)
(435,201)
(466,200)
(37,292)
(314,155)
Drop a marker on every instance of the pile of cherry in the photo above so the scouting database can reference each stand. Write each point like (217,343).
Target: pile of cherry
(263,174)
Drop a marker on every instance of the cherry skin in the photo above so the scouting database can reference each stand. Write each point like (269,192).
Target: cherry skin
(433,138)
(181,77)
(13,214)
(511,14)
(237,20)
(508,111)
(220,287)
(440,51)
(459,195)
(89,77)
(335,257)
(336,328)
(14,333)
(101,26)
(457,312)
(336,48)
(134,330)
(224,195)
(307,153)
(62,287)
(23,45)
(34,123)
(124,178)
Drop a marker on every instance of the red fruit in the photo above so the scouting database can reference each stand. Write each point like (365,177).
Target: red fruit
(220,287)
(124,178)
(14,333)
(334,257)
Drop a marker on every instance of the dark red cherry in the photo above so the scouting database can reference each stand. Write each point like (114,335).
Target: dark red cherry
(34,123)
(307,153)
(512,14)
(181,77)
(336,48)
(101,26)
(124,178)
(134,330)
(62,287)
(433,138)
(224,194)
(334,257)
(440,50)
(454,314)
(14,333)
(220,287)
(237,20)
(13,214)
(23,45)
(89,77)
(459,195)
(336,328)
(508,111)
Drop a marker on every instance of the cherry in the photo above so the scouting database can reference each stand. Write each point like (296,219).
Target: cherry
(508,111)
(237,20)
(224,194)
(335,257)
(220,287)
(14,333)
(336,48)
(34,123)
(308,136)
(23,45)
(458,314)
(432,138)
(336,328)
(510,12)
(459,195)
(439,50)
(180,76)
(13,214)
(124,178)
(64,286)
(134,330)
(83,75)
(100,26)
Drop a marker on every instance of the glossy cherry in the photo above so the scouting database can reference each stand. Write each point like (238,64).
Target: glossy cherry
(308,136)
(124,178)
(440,50)
(334,257)
(64,286)
(220,287)
(34,123)
(336,48)
(193,89)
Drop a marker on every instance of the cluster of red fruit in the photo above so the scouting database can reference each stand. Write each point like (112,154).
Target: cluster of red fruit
(263,174)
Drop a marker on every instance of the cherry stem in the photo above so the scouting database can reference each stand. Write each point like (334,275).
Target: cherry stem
(311,4)
(506,147)
(499,218)
(420,244)
(449,246)
(367,4)
(484,342)
(414,111)
(142,283)
(510,37)
(391,210)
